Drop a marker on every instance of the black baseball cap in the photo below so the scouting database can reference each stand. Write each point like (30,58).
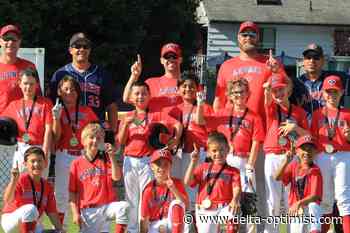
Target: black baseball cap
(314,49)
(77,37)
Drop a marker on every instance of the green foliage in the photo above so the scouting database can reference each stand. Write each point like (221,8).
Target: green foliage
(119,29)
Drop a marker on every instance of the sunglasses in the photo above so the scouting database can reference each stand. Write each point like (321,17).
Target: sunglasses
(170,56)
(315,57)
(81,46)
(246,34)
(10,37)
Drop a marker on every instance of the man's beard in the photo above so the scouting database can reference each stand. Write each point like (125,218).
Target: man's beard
(248,47)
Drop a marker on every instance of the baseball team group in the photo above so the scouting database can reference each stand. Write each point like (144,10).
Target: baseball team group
(266,137)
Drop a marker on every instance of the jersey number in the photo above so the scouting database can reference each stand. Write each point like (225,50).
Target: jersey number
(93,101)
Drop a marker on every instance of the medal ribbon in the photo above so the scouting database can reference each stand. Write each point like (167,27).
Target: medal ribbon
(27,121)
(331,130)
(154,186)
(188,119)
(34,193)
(280,113)
(239,123)
(73,126)
(207,178)
(139,122)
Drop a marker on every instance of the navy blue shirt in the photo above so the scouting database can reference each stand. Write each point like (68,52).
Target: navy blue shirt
(308,94)
(95,83)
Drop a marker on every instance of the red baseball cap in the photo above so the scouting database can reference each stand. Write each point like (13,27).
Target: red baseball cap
(248,24)
(10,28)
(306,139)
(161,154)
(171,48)
(332,82)
(278,80)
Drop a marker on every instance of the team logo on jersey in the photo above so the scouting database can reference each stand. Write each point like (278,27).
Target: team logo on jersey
(332,82)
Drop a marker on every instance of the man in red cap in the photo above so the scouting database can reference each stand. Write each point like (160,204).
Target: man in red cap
(10,65)
(166,85)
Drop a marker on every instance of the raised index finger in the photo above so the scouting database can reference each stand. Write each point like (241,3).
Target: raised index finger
(139,59)
(270,54)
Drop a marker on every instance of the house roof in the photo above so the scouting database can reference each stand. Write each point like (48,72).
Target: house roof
(319,12)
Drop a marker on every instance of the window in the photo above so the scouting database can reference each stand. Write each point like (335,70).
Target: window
(267,40)
(269,2)
(342,43)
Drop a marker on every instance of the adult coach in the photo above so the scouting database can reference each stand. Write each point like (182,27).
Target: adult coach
(11,65)
(165,85)
(96,84)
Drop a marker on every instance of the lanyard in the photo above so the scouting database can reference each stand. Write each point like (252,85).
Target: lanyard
(188,119)
(139,122)
(27,121)
(331,129)
(154,186)
(280,113)
(207,178)
(73,126)
(34,193)
(239,123)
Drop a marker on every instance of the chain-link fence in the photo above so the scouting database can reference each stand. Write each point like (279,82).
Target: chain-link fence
(6,155)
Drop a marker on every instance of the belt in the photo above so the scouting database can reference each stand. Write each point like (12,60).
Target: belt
(241,154)
(72,152)
(214,206)
(137,157)
(92,206)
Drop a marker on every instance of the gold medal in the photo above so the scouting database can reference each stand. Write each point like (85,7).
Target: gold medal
(162,229)
(206,203)
(26,138)
(329,148)
(74,141)
(300,211)
(282,141)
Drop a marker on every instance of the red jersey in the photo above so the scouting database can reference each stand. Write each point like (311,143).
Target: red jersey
(41,116)
(137,135)
(91,181)
(297,115)
(193,133)
(9,73)
(156,199)
(319,128)
(163,103)
(251,128)
(164,86)
(303,183)
(85,116)
(24,195)
(222,190)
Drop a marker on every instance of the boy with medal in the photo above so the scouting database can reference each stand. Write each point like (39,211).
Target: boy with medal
(330,127)
(164,199)
(133,133)
(305,181)
(28,196)
(285,122)
(32,114)
(219,185)
(69,119)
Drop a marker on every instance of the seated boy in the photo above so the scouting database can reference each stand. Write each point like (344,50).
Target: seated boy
(164,199)
(305,181)
(91,193)
(219,185)
(28,195)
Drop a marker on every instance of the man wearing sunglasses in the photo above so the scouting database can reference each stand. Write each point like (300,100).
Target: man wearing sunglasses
(96,84)
(11,65)
(163,89)
(307,88)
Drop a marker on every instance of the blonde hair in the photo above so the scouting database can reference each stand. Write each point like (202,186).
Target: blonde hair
(237,81)
(92,129)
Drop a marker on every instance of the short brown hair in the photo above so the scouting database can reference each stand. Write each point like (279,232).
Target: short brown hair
(219,138)
(238,81)
(34,150)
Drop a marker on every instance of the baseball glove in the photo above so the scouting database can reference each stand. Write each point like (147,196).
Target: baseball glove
(248,204)
(8,131)
(159,136)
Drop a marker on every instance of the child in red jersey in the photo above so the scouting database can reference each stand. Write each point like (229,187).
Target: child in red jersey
(133,133)
(187,113)
(28,195)
(91,193)
(285,122)
(305,181)
(164,199)
(219,186)
(32,114)
(69,119)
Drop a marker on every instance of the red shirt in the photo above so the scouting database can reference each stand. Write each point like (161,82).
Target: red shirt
(24,196)
(297,115)
(222,191)
(256,73)
(311,178)
(163,103)
(85,116)
(91,181)
(319,128)
(9,73)
(194,133)
(156,201)
(137,135)
(40,117)
(250,129)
